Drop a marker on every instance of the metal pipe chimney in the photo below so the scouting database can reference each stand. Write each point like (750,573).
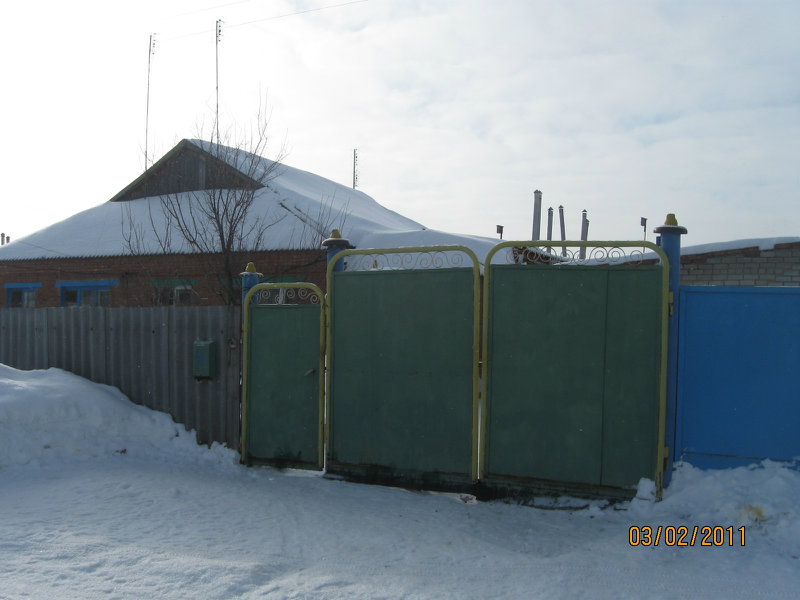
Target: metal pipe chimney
(584,232)
(537,215)
(563,229)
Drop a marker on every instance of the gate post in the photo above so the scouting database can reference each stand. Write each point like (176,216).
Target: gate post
(249,279)
(335,244)
(670,241)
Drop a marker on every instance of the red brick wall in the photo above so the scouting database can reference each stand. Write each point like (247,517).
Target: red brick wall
(135,274)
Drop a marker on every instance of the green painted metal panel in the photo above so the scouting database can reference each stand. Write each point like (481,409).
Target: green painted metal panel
(401,381)
(573,390)
(283,374)
(546,355)
(631,400)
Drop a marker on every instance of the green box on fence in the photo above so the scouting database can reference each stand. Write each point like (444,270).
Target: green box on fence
(204,359)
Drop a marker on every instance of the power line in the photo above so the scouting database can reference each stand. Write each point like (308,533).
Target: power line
(300,12)
(210,8)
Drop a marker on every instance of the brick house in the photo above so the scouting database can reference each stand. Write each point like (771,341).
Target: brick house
(126,251)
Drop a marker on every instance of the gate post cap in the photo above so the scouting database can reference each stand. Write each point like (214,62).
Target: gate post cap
(250,269)
(670,226)
(337,241)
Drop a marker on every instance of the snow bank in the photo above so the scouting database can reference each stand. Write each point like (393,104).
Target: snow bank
(763,495)
(52,415)
(173,524)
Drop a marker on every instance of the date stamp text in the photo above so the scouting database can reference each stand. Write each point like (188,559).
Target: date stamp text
(697,535)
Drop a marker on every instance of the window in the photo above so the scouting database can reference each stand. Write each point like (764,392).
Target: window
(86,293)
(21,295)
(173,296)
(183,295)
(173,292)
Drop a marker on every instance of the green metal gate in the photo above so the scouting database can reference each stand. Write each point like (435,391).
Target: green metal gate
(402,358)
(283,376)
(573,386)
(575,352)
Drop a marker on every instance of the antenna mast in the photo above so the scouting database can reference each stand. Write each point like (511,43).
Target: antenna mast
(216,48)
(151,48)
(355,166)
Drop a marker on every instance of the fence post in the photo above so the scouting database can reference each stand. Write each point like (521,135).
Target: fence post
(669,238)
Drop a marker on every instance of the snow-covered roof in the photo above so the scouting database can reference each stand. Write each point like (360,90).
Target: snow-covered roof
(290,200)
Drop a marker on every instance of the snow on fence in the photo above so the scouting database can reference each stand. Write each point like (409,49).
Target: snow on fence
(146,352)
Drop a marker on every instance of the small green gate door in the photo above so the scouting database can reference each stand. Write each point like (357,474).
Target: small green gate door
(282,379)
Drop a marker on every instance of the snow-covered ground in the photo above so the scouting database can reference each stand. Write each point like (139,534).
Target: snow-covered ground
(100,498)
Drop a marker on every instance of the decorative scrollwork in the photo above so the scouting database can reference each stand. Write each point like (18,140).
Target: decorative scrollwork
(406,261)
(285,295)
(575,255)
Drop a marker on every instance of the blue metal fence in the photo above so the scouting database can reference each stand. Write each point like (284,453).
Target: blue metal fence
(738,375)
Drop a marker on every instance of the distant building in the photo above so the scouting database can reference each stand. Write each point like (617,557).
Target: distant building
(759,262)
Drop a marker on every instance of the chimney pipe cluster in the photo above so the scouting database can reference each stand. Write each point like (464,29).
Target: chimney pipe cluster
(537,223)
(4,240)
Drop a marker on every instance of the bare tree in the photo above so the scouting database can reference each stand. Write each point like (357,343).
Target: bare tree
(216,218)
(317,226)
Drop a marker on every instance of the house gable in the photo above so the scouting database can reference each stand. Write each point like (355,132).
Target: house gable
(186,168)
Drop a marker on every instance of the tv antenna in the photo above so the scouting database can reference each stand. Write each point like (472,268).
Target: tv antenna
(151,48)
(218,31)
(355,167)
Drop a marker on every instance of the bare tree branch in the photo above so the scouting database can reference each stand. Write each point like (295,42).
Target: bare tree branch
(219,219)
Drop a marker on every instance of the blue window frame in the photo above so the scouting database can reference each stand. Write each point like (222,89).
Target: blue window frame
(86,293)
(21,295)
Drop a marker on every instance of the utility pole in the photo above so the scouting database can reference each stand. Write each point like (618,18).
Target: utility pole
(355,166)
(151,48)
(216,48)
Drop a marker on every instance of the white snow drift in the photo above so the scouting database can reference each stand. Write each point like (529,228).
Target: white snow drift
(100,498)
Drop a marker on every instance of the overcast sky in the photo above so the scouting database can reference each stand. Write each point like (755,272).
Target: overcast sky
(459,109)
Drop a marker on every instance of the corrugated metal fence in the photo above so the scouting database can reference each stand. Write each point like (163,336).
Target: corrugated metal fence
(145,352)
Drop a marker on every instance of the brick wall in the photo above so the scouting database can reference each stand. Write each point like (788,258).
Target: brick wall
(136,275)
(779,266)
